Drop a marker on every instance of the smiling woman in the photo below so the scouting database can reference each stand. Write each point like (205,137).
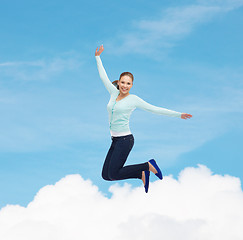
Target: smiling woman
(120,108)
(125,76)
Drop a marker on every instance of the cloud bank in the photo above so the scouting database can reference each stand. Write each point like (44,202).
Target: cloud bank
(198,205)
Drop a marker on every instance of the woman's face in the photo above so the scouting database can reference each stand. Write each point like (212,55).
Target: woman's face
(125,84)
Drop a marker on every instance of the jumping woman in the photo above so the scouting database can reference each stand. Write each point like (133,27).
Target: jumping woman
(120,107)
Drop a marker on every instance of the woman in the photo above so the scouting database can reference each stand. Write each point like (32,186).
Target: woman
(120,107)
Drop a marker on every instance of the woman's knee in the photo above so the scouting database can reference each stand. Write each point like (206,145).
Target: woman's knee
(105,176)
(112,175)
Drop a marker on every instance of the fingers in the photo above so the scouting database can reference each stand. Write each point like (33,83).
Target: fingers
(186,116)
(101,46)
(99,50)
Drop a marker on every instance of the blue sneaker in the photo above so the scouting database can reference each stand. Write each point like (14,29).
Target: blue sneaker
(146,186)
(159,173)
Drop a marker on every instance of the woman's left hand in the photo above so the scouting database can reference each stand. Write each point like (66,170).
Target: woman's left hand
(186,116)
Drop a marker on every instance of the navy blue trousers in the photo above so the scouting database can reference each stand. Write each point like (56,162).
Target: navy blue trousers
(113,168)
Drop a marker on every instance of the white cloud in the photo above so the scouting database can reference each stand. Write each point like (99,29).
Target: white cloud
(199,205)
(149,36)
(40,69)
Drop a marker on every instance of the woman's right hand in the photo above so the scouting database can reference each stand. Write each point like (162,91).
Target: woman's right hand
(98,52)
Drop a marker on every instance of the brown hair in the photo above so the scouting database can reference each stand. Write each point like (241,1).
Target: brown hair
(123,74)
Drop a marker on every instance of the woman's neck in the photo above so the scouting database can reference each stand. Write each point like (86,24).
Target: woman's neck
(121,95)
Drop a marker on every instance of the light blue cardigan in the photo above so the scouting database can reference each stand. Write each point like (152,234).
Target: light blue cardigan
(120,112)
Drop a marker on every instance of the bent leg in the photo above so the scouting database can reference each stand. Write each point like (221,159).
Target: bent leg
(116,170)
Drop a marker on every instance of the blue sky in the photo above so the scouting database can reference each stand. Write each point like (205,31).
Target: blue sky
(185,55)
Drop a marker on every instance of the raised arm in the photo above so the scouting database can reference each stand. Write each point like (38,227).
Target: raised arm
(109,86)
